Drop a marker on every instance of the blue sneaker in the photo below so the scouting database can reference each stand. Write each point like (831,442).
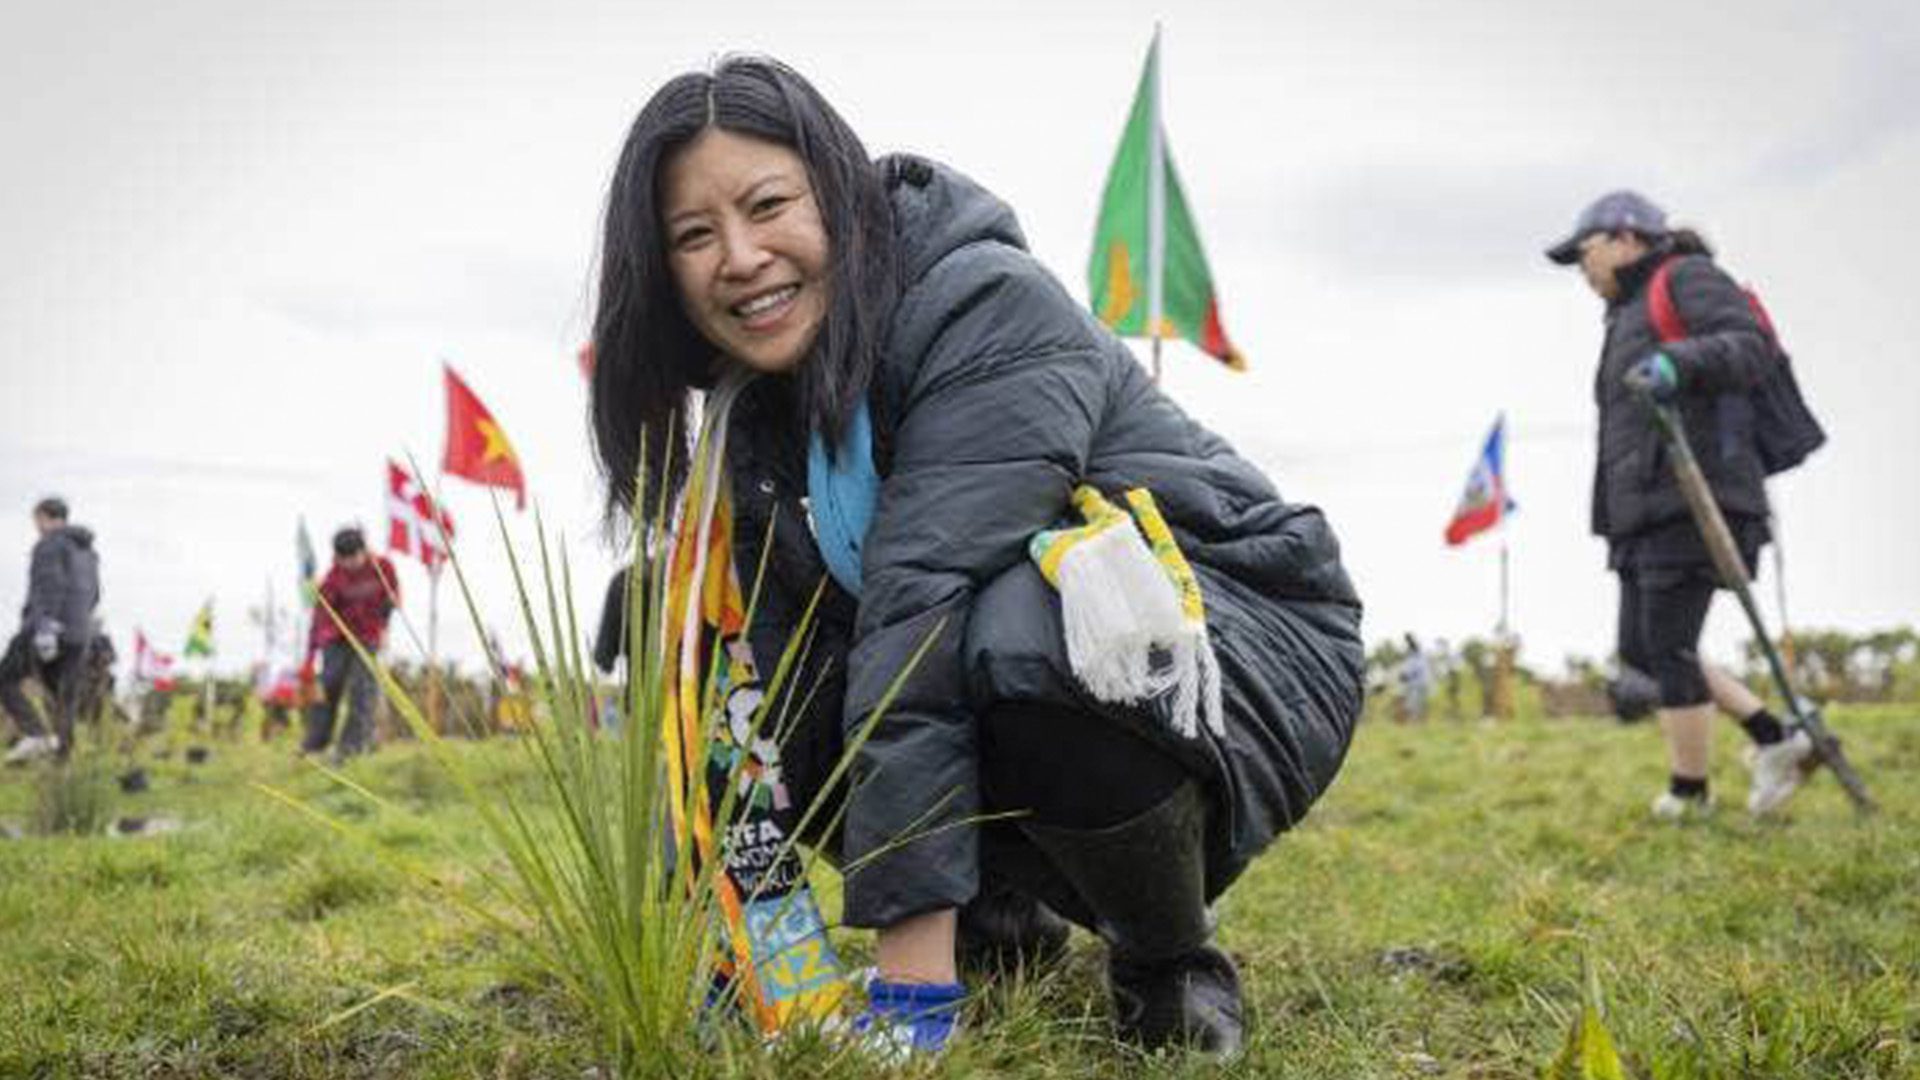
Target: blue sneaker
(907,1020)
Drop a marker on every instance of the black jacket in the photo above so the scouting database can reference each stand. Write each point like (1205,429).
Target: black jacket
(1719,364)
(997,394)
(63,584)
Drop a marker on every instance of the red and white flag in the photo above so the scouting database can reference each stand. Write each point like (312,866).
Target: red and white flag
(415,526)
(150,665)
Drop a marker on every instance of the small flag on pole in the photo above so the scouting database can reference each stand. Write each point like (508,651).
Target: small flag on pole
(1485,503)
(200,634)
(150,665)
(415,525)
(477,449)
(1148,276)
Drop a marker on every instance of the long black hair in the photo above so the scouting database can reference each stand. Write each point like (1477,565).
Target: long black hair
(648,357)
(1685,241)
(1677,241)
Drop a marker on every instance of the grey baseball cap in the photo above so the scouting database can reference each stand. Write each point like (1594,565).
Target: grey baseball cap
(1611,212)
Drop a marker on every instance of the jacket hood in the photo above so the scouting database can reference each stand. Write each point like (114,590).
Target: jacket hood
(80,535)
(937,211)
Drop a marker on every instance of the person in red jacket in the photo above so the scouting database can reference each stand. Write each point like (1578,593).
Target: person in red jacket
(357,596)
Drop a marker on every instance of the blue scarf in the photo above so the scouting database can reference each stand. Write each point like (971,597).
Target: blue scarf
(842,489)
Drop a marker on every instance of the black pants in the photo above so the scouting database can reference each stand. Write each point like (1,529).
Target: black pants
(1661,615)
(1070,770)
(61,676)
(1049,765)
(342,675)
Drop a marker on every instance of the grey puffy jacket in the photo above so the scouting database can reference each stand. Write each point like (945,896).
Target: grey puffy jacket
(998,394)
(63,584)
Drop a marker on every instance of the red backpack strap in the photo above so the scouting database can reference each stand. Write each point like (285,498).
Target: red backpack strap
(1666,317)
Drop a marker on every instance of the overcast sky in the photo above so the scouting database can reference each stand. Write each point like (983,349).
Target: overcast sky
(238,238)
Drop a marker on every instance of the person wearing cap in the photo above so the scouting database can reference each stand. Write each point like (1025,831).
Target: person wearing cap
(358,595)
(56,628)
(1666,576)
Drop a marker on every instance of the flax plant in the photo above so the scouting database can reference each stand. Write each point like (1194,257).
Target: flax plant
(605,899)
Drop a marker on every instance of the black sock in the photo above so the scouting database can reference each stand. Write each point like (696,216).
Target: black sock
(1688,787)
(1764,728)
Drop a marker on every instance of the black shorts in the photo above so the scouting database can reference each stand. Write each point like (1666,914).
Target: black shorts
(1661,615)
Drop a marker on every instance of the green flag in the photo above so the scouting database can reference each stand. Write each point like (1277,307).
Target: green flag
(200,634)
(1119,277)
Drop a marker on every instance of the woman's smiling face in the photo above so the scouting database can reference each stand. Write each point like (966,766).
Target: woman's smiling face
(747,247)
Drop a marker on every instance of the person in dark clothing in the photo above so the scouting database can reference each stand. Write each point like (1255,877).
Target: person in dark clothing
(610,639)
(610,647)
(56,630)
(921,399)
(361,590)
(1667,580)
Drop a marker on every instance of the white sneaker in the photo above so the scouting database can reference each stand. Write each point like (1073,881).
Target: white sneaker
(1670,807)
(31,747)
(1778,771)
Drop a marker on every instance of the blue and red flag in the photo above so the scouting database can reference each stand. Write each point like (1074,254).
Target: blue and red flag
(1485,502)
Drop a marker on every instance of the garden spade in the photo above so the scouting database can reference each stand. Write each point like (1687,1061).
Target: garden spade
(1733,574)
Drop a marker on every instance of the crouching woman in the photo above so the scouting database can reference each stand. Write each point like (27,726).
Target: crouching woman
(921,400)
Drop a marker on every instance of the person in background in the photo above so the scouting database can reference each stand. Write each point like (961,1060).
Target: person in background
(277,688)
(1416,680)
(610,639)
(1446,668)
(1667,579)
(610,647)
(56,630)
(357,597)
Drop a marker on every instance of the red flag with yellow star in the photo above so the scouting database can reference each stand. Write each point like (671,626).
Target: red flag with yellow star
(477,449)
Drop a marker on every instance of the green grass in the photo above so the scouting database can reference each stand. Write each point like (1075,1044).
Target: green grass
(1431,919)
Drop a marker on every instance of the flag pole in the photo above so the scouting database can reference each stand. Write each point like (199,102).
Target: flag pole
(1504,672)
(433,648)
(1502,630)
(433,586)
(206,678)
(1780,593)
(269,628)
(1156,207)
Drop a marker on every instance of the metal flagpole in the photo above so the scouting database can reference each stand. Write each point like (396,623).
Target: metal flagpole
(433,649)
(270,628)
(1503,580)
(1503,638)
(438,533)
(1503,672)
(1780,594)
(206,678)
(1156,207)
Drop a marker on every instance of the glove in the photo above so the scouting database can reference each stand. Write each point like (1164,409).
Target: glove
(1655,376)
(46,641)
(907,1020)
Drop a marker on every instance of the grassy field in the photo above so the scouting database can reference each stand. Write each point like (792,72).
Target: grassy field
(1432,919)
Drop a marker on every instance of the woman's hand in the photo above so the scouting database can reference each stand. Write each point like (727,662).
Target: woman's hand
(1655,376)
